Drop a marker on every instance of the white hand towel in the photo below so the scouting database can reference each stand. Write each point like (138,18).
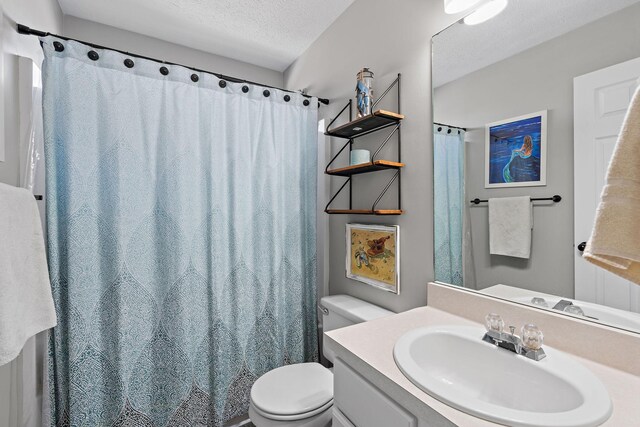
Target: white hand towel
(26,305)
(510,223)
(615,239)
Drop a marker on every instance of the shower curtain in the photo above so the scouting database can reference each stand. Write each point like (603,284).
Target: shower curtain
(181,237)
(448,199)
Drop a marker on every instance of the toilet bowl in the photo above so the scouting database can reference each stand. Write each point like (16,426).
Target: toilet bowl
(301,395)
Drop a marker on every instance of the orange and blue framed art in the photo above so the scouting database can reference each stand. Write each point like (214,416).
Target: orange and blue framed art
(373,255)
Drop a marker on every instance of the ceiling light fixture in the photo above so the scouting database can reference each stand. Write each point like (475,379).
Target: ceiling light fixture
(486,12)
(457,6)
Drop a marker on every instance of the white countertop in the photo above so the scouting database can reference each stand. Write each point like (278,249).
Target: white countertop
(368,347)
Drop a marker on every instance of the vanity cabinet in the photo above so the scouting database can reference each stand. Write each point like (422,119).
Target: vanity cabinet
(339,419)
(358,403)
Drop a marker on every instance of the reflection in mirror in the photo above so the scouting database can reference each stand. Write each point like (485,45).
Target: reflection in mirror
(527,106)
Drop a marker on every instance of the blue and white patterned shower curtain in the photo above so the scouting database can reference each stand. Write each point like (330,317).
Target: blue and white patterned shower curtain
(448,199)
(181,228)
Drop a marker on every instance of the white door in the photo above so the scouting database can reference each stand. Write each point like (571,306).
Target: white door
(601,99)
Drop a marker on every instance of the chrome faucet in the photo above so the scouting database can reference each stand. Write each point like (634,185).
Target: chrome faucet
(530,345)
(569,307)
(562,304)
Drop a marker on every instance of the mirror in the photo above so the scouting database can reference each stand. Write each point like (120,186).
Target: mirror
(529,104)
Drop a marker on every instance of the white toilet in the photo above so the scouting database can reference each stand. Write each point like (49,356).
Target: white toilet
(301,395)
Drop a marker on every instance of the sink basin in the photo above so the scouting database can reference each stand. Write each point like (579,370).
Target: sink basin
(454,365)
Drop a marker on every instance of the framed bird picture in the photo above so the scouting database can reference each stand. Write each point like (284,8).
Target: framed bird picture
(373,255)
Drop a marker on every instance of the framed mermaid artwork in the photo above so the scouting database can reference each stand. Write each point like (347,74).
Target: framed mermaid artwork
(373,255)
(516,151)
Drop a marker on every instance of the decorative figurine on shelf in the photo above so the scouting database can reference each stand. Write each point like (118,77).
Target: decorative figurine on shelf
(364,92)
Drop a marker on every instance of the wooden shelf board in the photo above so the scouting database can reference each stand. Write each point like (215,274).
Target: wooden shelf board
(377,120)
(377,165)
(365,211)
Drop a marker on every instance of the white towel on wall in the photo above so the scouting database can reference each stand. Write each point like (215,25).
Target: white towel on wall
(510,224)
(26,305)
(615,239)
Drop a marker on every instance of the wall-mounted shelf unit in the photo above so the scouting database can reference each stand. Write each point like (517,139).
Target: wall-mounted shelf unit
(378,120)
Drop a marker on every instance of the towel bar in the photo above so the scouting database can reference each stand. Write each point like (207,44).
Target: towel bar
(555,199)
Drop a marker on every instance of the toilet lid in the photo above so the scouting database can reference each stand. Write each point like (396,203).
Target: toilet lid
(293,389)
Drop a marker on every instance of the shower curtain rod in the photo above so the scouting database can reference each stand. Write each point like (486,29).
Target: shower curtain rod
(450,126)
(23,29)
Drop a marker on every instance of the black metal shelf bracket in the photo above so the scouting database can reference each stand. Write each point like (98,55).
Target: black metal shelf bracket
(386,188)
(350,141)
(349,106)
(396,130)
(395,82)
(326,208)
(375,153)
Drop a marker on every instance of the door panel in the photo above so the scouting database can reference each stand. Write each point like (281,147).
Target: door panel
(601,100)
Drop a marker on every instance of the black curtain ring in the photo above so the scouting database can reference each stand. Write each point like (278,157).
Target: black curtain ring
(287,98)
(245,89)
(59,47)
(128,63)
(93,55)
(164,71)
(266,93)
(440,129)
(194,78)
(222,84)
(448,131)
(305,102)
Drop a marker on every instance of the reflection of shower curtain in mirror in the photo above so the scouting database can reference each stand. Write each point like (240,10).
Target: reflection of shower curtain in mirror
(448,198)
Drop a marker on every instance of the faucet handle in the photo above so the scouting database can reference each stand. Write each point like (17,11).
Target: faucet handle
(493,322)
(574,309)
(539,301)
(532,337)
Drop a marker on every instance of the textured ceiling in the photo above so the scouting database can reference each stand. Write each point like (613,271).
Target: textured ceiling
(462,49)
(269,33)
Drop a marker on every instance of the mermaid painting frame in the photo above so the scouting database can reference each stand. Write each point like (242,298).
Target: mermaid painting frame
(516,151)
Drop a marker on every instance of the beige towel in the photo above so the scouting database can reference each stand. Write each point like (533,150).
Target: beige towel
(26,305)
(510,223)
(615,239)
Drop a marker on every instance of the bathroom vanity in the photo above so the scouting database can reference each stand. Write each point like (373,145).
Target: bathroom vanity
(371,391)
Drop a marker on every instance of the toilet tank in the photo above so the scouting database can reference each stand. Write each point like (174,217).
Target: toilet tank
(343,310)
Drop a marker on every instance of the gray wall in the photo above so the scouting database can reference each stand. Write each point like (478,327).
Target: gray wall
(128,41)
(537,79)
(389,38)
